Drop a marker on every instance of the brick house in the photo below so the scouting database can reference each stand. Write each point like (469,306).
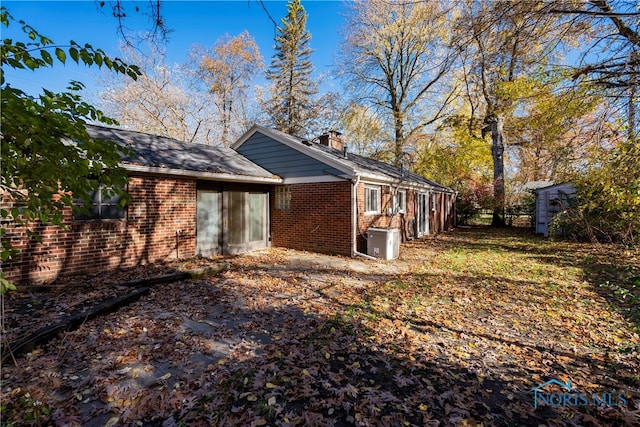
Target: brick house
(185,199)
(329,198)
(268,189)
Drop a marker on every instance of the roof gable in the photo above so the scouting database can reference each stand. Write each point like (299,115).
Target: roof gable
(301,146)
(350,164)
(287,160)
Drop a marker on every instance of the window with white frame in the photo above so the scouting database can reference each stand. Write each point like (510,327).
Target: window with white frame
(434,201)
(371,200)
(401,201)
(283,197)
(105,204)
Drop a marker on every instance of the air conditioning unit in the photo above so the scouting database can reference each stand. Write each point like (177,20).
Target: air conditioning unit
(383,243)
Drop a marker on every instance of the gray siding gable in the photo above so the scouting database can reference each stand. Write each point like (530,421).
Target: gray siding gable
(284,161)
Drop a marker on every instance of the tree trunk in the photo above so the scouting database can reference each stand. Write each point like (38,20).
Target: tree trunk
(495,123)
(631,110)
(398,147)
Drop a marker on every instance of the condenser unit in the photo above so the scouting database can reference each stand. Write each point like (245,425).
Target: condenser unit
(383,243)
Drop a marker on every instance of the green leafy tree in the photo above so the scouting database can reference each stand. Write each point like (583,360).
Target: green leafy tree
(292,88)
(455,157)
(608,178)
(48,160)
(552,131)
(608,205)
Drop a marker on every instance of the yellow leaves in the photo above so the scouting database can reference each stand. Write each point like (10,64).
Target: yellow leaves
(248,396)
(462,354)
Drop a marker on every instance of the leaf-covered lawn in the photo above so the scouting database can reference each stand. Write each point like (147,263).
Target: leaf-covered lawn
(457,332)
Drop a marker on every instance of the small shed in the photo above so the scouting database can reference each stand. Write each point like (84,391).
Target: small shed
(550,201)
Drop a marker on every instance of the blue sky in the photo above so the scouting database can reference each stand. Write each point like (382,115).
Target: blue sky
(192,22)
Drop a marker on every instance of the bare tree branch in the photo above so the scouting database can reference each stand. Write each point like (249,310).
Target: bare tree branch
(157,32)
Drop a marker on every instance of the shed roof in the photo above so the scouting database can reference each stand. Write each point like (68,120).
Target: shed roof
(535,185)
(157,154)
(350,164)
(562,185)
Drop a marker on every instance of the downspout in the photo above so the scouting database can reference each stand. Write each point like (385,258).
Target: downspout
(354,224)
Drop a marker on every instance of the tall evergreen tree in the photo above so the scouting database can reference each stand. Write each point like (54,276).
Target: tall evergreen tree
(292,88)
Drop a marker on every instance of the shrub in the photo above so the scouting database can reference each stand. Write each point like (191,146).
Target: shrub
(608,199)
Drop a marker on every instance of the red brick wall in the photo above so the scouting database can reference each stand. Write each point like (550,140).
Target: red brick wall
(443,218)
(440,220)
(159,207)
(319,219)
(386,218)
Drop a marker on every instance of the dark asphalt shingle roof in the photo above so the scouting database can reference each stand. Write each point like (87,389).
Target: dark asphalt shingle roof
(160,152)
(376,166)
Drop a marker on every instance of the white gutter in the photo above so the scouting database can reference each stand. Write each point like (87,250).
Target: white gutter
(399,183)
(354,224)
(227,177)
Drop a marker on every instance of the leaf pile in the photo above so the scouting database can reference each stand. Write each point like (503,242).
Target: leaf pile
(458,331)
(47,303)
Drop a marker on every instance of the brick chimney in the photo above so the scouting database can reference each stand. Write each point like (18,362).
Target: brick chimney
(332,139)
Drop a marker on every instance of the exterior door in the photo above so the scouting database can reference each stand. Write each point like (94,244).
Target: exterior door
(230,222)
(423,214)
(208,204)
(245,221)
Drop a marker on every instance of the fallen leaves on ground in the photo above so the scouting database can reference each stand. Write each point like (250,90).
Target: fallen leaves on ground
(458,331)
